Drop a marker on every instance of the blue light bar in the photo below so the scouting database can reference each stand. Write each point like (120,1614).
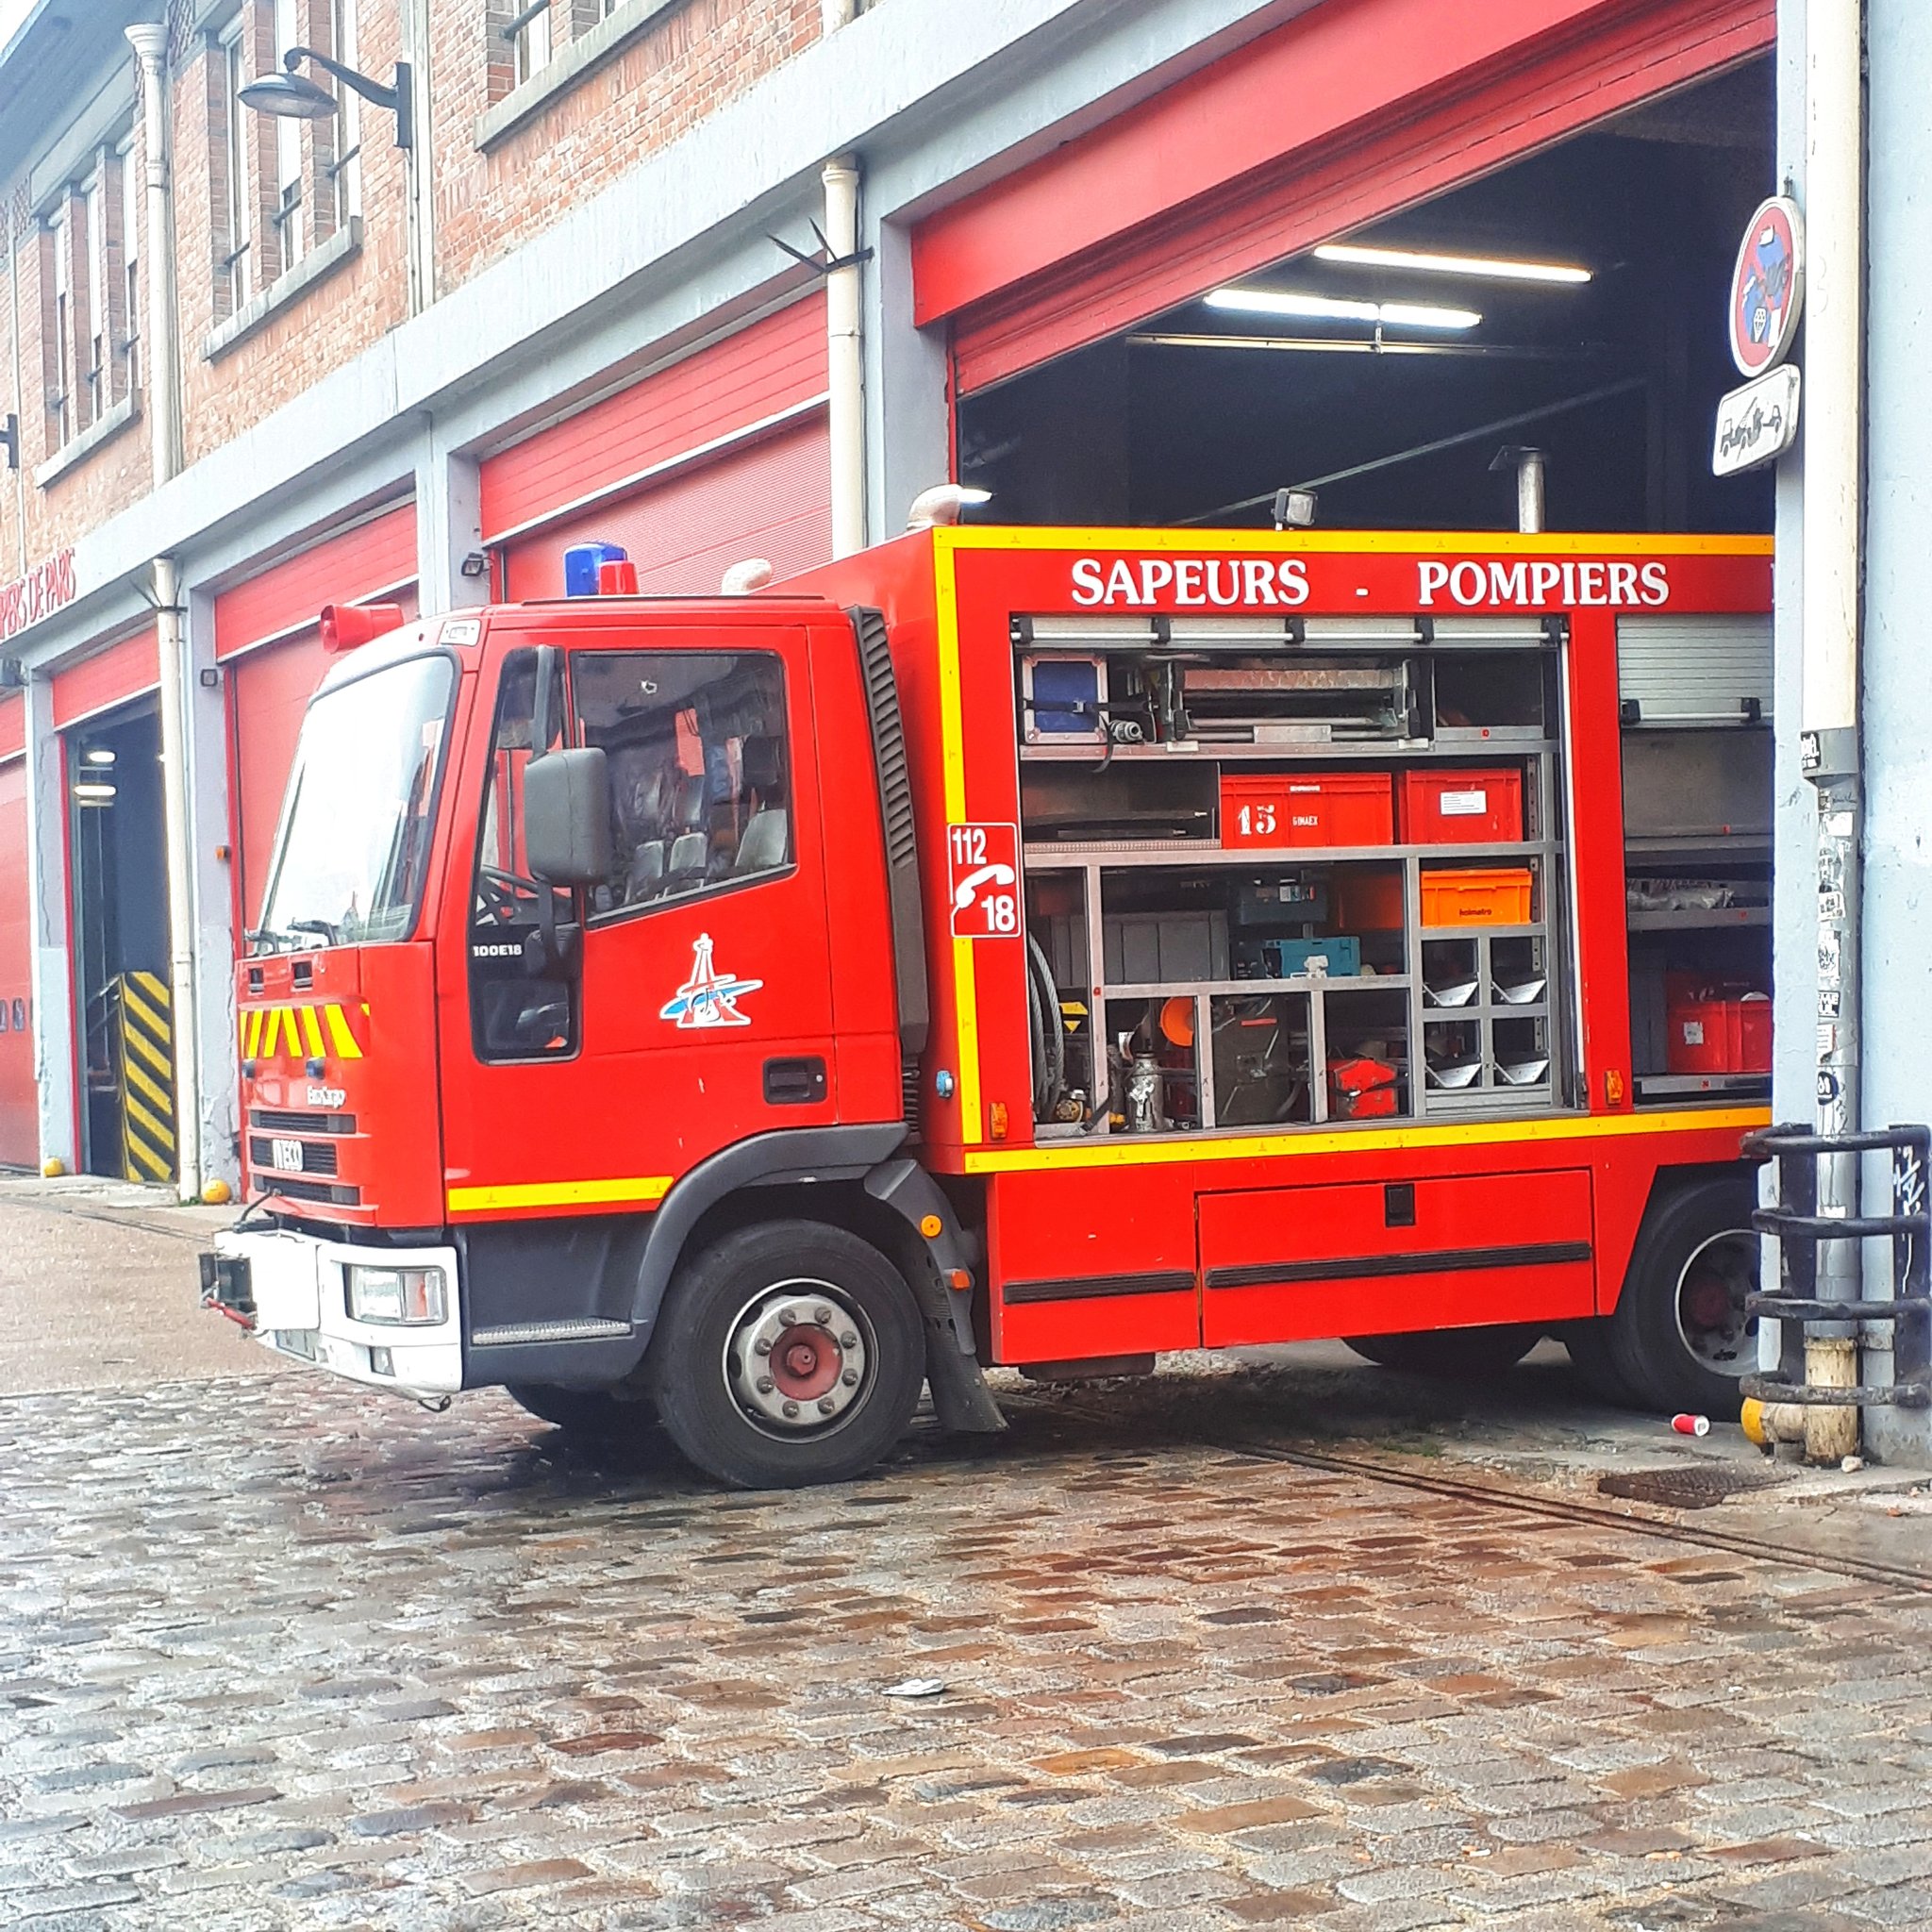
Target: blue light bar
(580,565)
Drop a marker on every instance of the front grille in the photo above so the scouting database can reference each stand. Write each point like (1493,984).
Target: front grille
(280,1120)
(318,1157)
(333,1196)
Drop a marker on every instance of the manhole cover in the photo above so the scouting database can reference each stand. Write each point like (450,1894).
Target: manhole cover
(1687,1485)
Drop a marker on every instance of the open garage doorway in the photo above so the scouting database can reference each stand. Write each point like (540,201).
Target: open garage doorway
(1572,302)
(113,765)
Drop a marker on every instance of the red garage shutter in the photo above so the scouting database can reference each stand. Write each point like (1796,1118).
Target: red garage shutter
(1354,110)
(265,632)
(773,499)
(766,374)
(20,1121)
(109,678)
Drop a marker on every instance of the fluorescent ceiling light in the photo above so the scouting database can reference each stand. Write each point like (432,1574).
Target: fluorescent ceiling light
(1330,308)
(98,757)
(1482,267)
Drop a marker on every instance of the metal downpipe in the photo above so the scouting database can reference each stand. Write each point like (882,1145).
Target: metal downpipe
(846,354)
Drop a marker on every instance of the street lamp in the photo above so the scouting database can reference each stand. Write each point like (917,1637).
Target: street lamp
(292,96)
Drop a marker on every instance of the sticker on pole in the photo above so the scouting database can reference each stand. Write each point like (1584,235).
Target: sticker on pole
(983,878)
(1768,287)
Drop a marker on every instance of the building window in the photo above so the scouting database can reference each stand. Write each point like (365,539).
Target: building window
(59,326)
(290,216)
(234,249)
(130,264)
(93,214)
(343,173)
(528,34)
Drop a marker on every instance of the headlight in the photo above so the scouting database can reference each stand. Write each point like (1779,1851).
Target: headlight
(398,1296)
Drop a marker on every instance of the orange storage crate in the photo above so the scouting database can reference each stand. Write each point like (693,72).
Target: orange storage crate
(1276,808)
(1476,896)
(1461,807)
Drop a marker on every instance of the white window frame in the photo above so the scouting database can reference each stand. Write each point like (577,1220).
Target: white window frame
(291,209)
(240,264)
(93,209)
(531,42)
(132,204)
(63,328)
(347,171)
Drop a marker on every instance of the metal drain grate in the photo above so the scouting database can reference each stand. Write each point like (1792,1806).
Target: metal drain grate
(1687,1485)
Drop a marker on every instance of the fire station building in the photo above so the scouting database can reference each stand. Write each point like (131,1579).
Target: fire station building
(339,301)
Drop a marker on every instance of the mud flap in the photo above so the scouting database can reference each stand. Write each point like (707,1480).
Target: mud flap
(961,1398)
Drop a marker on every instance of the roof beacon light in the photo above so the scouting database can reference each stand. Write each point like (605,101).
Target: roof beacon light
(1331,308)
(581,563)
(1482,268)
(617,577)
(943,504)
(346,626)
(749,575)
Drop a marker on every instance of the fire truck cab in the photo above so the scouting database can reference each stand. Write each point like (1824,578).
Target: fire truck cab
(1024,946)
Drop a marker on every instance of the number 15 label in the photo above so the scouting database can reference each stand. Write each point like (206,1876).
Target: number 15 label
(983,878)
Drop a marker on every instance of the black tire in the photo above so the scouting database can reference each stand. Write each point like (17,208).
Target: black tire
(582,1411)
(1679,1339)
(1451,1354)
(1588,1342)
(745,1289)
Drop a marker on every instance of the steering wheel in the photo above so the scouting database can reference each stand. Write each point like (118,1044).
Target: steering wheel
(505,896)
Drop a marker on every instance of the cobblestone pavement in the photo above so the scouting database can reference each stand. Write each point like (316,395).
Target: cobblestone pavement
(273,1654)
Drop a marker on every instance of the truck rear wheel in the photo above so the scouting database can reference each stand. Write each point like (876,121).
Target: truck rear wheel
(1454,1353)
(1679,1338)
(787,1354)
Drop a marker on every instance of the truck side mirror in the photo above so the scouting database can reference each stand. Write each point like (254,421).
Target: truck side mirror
(567,816)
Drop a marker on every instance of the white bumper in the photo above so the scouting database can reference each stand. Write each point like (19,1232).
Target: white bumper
(302,1312)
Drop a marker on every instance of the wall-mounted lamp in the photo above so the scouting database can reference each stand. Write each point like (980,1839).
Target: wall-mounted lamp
(292,96)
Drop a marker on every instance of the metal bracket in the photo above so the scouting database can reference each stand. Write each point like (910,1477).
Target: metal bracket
(825,262)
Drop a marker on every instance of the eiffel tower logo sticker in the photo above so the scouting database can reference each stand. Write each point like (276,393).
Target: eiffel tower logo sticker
(709,997)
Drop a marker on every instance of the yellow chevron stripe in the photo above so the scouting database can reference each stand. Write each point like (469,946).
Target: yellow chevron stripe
(160,1131)
(251,1036)
(154,1091)
(311,1030)
(340,1040)
(148,1051)
(159,1167)
(152,985)
(155,1020)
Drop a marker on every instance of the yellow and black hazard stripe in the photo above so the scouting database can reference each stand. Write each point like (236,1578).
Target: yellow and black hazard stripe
(305,1032)
(146,1030)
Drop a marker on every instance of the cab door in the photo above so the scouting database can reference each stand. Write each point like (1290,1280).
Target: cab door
(702,1010)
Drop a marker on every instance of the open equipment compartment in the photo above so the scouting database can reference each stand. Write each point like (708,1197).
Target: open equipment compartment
(1324,859)
(1695,715)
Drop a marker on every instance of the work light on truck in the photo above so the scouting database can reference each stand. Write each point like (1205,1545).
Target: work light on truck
(399,1297)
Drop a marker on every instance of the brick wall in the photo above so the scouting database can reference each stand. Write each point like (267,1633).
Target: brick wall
(660,84)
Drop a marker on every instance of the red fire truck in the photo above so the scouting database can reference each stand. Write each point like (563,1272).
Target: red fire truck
(1039,948)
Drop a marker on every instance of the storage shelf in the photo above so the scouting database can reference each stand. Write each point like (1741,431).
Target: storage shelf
(1499,1010)
(1675,1086)
(1256,989)
(1699,918)
(1470,932)
(1204,851)
(1514,739)
(1721,848)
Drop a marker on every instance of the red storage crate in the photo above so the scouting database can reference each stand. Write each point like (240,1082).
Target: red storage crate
(1715,1029)
(1275,808)
(1461,807)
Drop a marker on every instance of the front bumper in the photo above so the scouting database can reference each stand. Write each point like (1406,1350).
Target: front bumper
(288,1290)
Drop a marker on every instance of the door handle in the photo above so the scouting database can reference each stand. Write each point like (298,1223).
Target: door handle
(796,1082)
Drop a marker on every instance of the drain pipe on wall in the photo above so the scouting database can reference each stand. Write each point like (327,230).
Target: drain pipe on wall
(1832,565)
(846,354)
(150,45)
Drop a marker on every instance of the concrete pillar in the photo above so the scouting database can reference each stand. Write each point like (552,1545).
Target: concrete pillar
(907,430)
(449,526)
(53,983)
(212,882)
(1898,595)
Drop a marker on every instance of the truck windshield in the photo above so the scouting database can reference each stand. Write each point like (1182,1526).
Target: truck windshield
(356,827)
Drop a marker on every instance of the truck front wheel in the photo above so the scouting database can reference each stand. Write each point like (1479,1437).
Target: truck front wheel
(1679,1336)
(786,1354)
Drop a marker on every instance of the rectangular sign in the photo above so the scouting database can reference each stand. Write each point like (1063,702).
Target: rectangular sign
(983,880)
(1756,423)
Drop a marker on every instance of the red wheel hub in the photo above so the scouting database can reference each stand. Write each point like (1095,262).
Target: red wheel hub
(806,1363)
(1707,1302)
